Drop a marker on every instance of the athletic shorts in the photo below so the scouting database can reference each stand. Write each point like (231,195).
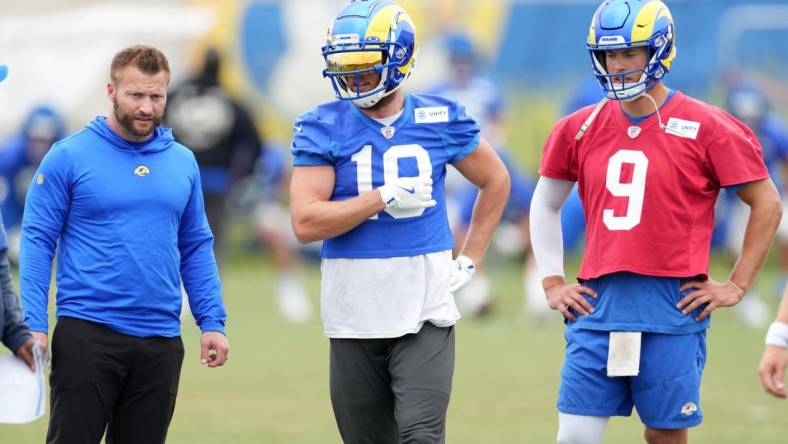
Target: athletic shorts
(666,392)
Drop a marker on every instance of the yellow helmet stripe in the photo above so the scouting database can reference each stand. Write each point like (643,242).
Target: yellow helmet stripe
(380,24)
(646,19)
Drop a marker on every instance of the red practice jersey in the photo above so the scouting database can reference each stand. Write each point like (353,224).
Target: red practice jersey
(648,193)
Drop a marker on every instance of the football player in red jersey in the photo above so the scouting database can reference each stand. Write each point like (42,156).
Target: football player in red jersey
(649,162)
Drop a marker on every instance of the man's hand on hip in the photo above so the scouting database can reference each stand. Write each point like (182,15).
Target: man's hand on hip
(214,349)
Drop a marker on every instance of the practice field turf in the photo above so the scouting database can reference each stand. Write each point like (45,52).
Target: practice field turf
(275,386)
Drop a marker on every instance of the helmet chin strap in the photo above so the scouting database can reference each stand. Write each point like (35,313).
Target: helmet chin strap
(654,102)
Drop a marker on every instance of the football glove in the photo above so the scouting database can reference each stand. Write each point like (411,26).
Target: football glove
(408,193)
(461,273)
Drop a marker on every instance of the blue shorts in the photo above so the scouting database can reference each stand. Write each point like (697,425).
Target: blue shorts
(666,392)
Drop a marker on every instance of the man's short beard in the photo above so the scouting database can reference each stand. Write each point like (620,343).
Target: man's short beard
(127,121)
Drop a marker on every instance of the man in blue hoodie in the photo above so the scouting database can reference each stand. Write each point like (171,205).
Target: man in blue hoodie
(121,204)
(13,331)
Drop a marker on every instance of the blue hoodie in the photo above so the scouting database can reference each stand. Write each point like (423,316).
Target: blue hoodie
(128,221)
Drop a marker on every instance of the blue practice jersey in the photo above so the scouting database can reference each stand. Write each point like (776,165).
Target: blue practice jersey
(430,133)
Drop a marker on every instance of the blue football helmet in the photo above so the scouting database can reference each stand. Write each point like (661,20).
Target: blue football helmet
(3,72)
(369,36)
(620,24)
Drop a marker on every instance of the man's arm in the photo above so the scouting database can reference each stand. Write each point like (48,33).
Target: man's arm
(547,244)
(46,205)
(314,216)
(484,169)
(765,213)
(775,357)
(201,277)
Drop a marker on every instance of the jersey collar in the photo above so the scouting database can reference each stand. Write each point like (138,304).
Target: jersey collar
(651,120)
(374,125)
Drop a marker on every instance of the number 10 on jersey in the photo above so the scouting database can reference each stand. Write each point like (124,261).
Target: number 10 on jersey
(634,190)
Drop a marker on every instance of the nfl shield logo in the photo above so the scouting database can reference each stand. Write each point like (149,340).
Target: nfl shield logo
(633,131)
(387,131)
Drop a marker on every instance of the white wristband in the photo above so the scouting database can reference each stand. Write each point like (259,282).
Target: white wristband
(777,334)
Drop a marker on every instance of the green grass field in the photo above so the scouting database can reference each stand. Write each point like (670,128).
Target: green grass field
(275,386)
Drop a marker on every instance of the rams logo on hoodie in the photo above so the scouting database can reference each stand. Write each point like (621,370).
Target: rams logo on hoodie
(141,171)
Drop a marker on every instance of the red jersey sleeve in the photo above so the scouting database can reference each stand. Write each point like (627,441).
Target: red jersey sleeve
(559,159)
(735,156)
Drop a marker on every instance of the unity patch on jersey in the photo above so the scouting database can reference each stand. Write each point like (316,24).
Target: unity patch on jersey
(433,114)
(683,128)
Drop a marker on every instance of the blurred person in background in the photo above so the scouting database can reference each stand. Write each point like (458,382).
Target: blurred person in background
(220,132)
(483,100)
(19,158)
(120,204)
(748,104)
(271,221)
(649,162)
(775,357)
(368,180)
(14,333)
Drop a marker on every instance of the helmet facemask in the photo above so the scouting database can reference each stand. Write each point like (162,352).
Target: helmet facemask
(658,48)
(348,65)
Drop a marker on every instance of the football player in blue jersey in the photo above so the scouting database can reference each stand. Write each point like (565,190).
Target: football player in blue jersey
(368,179)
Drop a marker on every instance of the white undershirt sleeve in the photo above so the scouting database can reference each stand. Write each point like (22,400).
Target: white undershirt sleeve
(545,219)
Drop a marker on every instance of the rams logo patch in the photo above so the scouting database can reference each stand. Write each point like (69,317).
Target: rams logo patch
(689,409)
(141,171)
